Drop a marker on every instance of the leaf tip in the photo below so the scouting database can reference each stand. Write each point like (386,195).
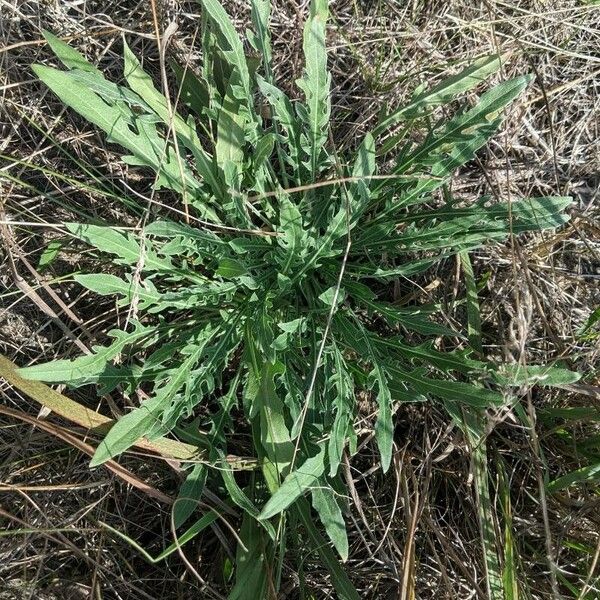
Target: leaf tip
(98,459)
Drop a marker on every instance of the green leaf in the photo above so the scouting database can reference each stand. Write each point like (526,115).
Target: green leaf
(571,413)
(592,320)
(171,229)
(462,134)
(341,384)
(289,124)
(130,428)
(459,361)
(230,268)
(108,118)
(264,149)
(291,226)
(364,167)
(406,270)
(261,14)
(292,238)
(324,502)
(384,427)
(189,494)
(297,483)
(229,44)
(275,435)
(49,254)
(105,285)
(108,240)
(443,92)
(251,563)
(452,228)
(356,335)
(124,246)
(229,150)
(111,92)
(315,84)
(547,376)
(414,319)
(457,391)
(342,584)
(87,369)
(116,119)
(329,296)
(237,495)
(142,84)
(193,91)
(147,419)
(71,58)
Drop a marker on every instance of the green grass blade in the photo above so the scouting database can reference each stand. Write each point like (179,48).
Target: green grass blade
(200,525)
(479,458)
(473,313)
(509,572)
(487,516)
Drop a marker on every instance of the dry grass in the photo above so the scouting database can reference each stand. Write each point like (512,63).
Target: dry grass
(417,528)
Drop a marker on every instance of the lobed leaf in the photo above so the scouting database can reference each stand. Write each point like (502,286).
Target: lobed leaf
(443,92)
(315,84)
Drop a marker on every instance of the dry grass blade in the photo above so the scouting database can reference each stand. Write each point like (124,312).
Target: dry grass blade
(67,436)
